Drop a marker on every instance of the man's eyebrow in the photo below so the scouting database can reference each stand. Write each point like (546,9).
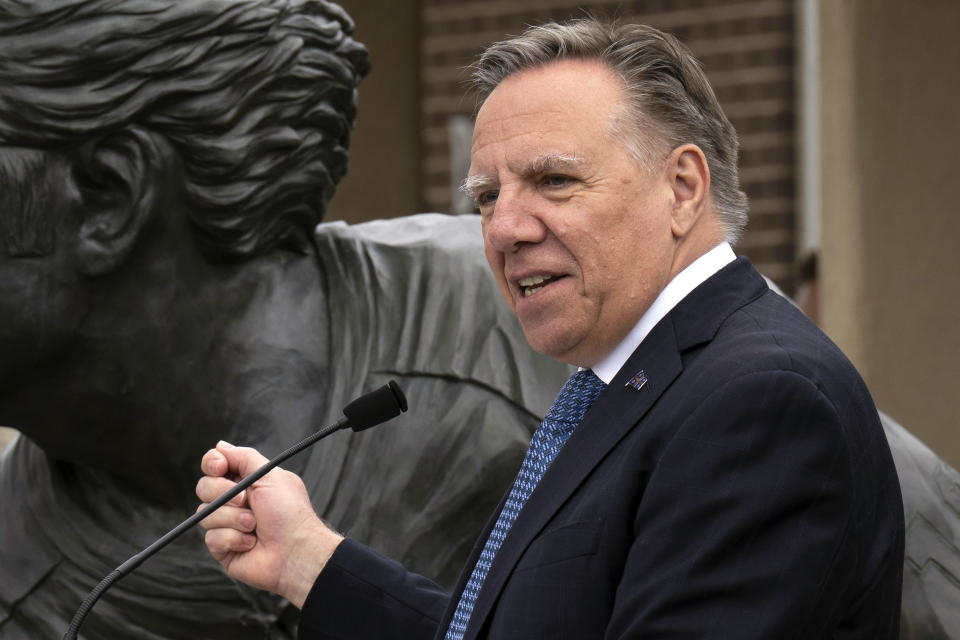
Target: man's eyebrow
(548,163)
(553,162)
(473,185)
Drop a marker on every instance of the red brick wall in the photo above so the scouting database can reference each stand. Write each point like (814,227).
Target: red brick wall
(746,47)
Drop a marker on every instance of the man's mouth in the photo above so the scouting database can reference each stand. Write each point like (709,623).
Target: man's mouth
(533,284)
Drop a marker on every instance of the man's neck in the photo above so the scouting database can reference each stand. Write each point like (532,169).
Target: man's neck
(676,290)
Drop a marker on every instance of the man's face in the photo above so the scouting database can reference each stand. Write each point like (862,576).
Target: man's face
(576,231)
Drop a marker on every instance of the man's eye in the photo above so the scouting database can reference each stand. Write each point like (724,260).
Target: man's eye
(557,180)
(486,198)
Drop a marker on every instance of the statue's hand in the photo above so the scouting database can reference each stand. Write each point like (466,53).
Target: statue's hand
(268,536)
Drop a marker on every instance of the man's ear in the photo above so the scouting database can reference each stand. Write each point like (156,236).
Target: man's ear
(119,180)
(690,179)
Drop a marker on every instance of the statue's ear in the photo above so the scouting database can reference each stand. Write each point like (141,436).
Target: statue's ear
(119,180)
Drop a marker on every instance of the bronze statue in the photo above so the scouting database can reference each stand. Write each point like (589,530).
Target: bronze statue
(162,169)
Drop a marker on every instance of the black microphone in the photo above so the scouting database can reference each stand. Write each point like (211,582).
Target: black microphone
(375,407)
(366,411)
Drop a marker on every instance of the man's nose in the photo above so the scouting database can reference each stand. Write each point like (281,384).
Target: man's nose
(514,222)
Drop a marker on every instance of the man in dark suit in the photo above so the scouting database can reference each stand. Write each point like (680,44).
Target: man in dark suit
(716,469)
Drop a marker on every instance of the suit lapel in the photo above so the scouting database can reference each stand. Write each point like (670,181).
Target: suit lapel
(618,409)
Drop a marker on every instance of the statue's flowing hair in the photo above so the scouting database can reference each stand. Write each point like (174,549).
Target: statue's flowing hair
(258,97)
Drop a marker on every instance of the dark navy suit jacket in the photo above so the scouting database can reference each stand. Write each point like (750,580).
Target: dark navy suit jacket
(745,491)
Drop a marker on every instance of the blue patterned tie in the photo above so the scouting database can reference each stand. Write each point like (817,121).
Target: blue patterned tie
(580,391)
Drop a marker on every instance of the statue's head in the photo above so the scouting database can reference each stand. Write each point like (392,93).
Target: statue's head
(153,154)
(256,98)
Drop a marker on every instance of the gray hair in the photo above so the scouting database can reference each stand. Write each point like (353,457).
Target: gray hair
(670,101)
(257,97)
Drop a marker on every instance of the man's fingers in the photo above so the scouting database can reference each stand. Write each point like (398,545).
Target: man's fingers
(221,466)
(221,542)
(228,460)
(213,463)
(227,517)
(210,488)
(241,461)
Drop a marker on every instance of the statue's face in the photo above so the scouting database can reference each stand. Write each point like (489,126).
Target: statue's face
(38,288)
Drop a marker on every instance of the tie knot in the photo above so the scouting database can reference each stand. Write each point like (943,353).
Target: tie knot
(576,396)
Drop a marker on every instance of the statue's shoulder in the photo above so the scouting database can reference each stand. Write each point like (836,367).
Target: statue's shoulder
(931,506)
(415,295)
(407,238)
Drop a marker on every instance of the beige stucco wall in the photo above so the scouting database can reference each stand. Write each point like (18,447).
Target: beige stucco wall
(383,177)
(890,273)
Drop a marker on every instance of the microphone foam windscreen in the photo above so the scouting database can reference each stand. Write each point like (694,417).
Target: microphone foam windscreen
(375,407)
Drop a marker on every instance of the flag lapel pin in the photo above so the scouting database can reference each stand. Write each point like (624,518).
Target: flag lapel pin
(637,381)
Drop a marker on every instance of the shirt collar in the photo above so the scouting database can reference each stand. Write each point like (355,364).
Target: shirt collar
(675,291)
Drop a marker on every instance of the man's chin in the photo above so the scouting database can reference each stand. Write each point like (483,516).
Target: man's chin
(559,346)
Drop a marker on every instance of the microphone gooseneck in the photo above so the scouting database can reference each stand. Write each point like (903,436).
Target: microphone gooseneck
(362,413)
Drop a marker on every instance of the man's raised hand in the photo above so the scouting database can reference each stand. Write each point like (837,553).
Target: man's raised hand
(268,536)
